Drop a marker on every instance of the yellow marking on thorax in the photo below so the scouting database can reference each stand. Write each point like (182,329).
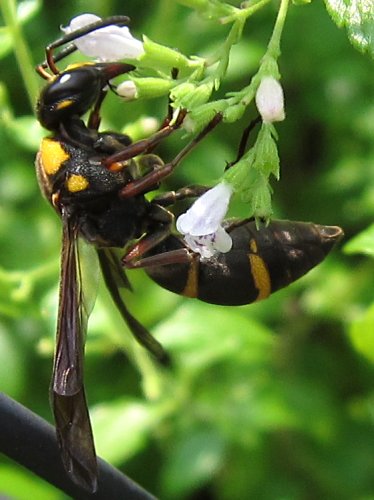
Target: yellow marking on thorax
(64,104)
(260,272)
(192,285)
(76,183)
(52,155)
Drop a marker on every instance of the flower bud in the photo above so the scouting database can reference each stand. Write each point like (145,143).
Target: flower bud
(127,90)
(188,96)
(270,100)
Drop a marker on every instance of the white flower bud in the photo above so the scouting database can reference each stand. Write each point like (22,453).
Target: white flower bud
(270,100)
(127,90)
(110,43)
(202,223)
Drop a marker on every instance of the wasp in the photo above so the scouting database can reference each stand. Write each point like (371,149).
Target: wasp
(97,182)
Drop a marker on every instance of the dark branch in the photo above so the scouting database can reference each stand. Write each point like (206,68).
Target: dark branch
(31,441)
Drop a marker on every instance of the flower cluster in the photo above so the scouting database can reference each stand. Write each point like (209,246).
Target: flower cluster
(202,224)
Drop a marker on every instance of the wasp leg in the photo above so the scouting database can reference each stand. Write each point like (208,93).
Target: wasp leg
(144,145)
(112,277)
(134,259)
(180,256)
(153,178)
(162,221)
(171,197)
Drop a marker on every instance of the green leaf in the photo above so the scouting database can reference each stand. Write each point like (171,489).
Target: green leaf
(357,16)
(11,362)
(27,9)
(363,243)
(26,131)
(361,334)
(192,462)
(207,335)
(121,428)
(16,482)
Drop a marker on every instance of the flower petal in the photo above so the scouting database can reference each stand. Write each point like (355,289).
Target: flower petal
(110,43)
(201,224)
(206,214)
(223,241)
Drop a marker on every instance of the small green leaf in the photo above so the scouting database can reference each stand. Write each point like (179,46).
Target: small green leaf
(361,334)
(363,243)
(27,9)
(121,428)
(267,158)
(357,16)
(192,462)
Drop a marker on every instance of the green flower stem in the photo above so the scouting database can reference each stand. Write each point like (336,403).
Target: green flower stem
(213,9)
(21,50)
(224,54)
(273,49)
(268,65)
(238,17)
(244,13)
(250,176)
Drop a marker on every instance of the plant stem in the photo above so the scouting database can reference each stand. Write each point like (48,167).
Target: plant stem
(274,43)
(21,50)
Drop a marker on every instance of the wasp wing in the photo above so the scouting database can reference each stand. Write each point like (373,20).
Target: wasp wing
(68,398)
(115,278)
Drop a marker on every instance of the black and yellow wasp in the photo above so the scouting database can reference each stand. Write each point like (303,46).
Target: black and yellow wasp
(97,181)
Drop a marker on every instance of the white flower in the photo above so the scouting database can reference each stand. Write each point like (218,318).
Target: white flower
(110,43)
(127,90)
(202,223)
(270,100)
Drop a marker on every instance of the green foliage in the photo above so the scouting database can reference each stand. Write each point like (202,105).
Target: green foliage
(268,401)
(357,16)
(361,333)
(363,243)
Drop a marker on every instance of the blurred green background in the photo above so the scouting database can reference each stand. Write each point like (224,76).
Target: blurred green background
(269,401)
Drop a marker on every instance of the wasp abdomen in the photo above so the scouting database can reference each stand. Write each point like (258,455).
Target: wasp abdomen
(260,262)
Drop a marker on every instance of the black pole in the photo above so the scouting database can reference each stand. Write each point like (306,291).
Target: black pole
(31,442)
